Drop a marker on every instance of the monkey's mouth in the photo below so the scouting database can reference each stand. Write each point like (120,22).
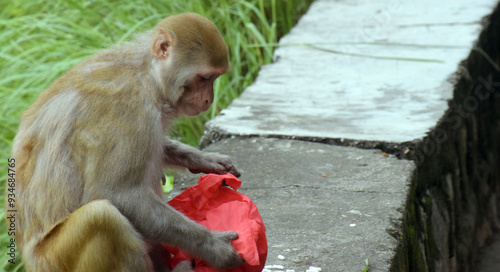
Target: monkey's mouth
(193,110)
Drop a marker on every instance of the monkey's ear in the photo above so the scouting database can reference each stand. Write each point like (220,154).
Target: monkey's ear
(162,46)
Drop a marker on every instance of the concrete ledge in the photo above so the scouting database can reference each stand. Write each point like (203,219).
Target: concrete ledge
(357,81)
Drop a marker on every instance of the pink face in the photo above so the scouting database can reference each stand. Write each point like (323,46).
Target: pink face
(198,94)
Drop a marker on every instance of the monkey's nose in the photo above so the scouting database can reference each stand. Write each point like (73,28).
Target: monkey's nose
(206,105)
(208,102)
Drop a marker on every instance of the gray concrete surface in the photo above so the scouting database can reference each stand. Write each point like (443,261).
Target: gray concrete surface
(368,93)
(323,206)
(314,93)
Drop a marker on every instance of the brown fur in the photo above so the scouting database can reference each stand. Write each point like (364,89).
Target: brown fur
(90,153)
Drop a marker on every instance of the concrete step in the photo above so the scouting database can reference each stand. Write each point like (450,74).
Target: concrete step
(315,92)
(324,206)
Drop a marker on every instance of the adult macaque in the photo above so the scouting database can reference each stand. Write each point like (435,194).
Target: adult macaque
(91,149)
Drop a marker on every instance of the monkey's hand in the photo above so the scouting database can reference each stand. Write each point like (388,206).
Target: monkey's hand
(219,252)
(214,163)
(178,154)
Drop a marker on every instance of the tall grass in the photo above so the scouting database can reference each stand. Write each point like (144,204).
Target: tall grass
(40,40)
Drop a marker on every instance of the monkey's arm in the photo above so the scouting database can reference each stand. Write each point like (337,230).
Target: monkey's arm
(160,222)
(129,188)
(179,154)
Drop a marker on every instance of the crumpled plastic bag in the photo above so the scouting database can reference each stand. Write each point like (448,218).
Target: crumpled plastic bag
(223,209)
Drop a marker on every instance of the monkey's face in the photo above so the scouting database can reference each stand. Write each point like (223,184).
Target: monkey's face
(189,61)
(198,94)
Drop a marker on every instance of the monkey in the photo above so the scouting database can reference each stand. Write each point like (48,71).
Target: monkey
(91,149)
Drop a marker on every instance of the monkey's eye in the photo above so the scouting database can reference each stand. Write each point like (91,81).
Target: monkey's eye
(206,77)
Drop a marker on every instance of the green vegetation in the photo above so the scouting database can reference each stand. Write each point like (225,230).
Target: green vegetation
(40,40)
(367,266)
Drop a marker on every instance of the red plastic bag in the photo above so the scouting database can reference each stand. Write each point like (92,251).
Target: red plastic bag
(223,209)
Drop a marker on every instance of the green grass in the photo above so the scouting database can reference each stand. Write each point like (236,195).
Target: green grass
(40,40)
(367,266)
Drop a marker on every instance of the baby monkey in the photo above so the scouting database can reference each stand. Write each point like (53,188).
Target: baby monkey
(91,149)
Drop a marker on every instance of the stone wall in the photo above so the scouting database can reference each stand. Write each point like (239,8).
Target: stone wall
(454,200)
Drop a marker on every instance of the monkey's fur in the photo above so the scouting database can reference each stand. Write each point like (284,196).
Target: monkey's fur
(91,149)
